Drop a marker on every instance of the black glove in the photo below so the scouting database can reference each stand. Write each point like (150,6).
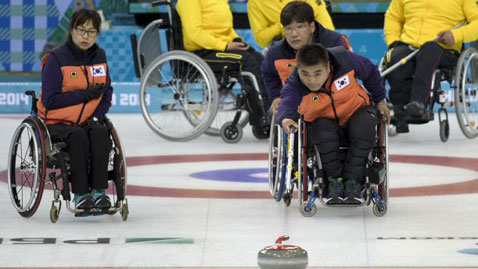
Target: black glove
(95,91)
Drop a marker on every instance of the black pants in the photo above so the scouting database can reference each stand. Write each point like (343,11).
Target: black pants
(412,81)
(245,60)
(359,133)
(88,146)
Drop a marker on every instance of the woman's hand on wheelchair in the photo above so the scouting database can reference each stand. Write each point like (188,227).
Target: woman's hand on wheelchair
(288,123)
(384,111)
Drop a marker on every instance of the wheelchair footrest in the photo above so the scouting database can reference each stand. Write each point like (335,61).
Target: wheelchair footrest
(95,212)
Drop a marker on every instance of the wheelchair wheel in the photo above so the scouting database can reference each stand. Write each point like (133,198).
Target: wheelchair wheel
(54,214)
(282,165)
(379,210)
(118,174)
(308,213)
(178,96)
(125,211)
(273,154)
(302,180)
(231,134)
(287,199)
(466,105)
(383,188)
(226,111)
(261,133)
(27,166)
(444,130)
(277,160)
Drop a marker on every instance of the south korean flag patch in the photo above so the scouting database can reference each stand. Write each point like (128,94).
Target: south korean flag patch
(342,82)
(98,71)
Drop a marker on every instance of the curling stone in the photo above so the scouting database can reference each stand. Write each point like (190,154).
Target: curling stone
(281,256)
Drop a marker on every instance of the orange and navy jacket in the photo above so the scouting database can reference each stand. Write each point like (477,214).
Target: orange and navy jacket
(67,73)
(280,59)
(339,97)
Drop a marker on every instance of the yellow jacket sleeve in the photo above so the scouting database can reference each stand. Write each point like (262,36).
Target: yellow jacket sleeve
(394,20)
(264,18)
(469,32)
(321,14)
(196,36)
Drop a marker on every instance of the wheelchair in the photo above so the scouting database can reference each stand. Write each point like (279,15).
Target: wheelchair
(300,167)
(182,96)
(34,160)
(463,79)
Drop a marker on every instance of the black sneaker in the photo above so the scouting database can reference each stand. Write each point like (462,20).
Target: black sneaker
(335,191)
(101,199)
(83,201)
(103,202)
(402,127)
(415,109)
(353,192)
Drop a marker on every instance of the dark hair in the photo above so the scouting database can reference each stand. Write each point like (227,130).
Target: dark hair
(297,11)
(312,54)
(83,15)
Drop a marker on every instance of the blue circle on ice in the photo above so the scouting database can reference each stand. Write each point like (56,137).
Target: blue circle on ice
(251,175)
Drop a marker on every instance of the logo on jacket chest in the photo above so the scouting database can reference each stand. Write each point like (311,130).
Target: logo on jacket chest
(73,74)
(342,82)
(98,71)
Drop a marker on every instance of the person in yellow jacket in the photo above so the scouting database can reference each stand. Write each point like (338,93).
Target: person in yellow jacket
(429,26)
(264,18)
(208,32)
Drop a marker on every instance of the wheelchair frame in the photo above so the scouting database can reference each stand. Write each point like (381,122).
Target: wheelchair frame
(309,176)
(43,159)
(219,112)
(458,78)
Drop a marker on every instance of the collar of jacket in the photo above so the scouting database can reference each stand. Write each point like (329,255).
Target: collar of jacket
(84,56)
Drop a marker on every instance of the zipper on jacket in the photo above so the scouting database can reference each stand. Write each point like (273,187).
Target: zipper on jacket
(87,86)
(333,104)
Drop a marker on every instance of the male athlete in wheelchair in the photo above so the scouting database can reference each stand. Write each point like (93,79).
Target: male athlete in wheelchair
(195,88)
(68,131)
(324,90)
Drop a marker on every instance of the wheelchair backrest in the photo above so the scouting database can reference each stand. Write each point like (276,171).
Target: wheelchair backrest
(149,47)
(176,33)
(173,27)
